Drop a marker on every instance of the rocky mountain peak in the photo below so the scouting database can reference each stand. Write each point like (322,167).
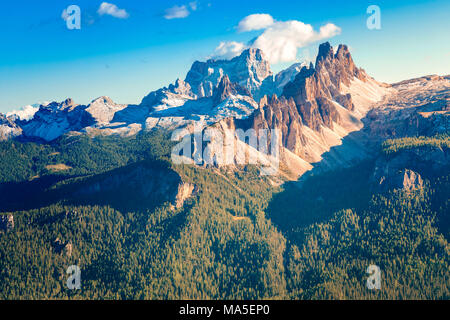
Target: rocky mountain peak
(315,88)
(253,53)
(250,69)
(287,75)
(174,95)
(5,120)
(54,106)
(226,88)
(69,102)
(325,52)
(343,51)
(180,87)
(103,100)
(8,128)
(281,113)
(102,109)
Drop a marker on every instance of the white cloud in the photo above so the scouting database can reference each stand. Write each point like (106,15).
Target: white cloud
(112,10)
(177,12)
(329,30)
(26,113)
(280,40)
(228,50)
(256,21)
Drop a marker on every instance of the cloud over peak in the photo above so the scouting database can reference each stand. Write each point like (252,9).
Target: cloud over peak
(228,50)
(256,21)
(280,40)
(112,10)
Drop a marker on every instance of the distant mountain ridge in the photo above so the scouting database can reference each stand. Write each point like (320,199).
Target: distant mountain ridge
(315,106)
(178,103)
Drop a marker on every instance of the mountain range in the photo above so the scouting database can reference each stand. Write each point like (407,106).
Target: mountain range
(363,179)
(315,105)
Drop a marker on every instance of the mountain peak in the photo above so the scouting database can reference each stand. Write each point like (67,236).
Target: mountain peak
(314,89)
(342,50)
(253,54)
(103,100)
(325,52)
(249,70)
(54,106)
(226,88)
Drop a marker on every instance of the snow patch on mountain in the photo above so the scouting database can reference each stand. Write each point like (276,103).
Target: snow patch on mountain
(250,69)
(287,75)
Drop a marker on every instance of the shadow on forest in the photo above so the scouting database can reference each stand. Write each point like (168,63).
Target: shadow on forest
(29,194)
(136,187)
(339,181)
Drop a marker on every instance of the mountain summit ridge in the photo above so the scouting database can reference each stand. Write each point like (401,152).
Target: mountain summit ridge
(315,106)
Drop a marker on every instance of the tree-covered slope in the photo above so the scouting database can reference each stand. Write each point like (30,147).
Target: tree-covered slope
(236,236)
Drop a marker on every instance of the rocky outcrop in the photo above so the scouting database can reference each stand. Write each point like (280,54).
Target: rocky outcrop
(185,191)
(147,183)
(405,169)
(8,128)
(250,70)
(278,113)
(345,100)
(404,179)
(315,89)
(55,119)
(419,107)
(168,97)
(6,223)
(103,109)
(227,89)
(411,180)
(285,76)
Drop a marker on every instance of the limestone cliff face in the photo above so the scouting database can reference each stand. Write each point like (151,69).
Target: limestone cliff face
(226,89)
(185,191)
(404,179)
(316,99)
(315,88)
(279,113)
(8,128)
(420,114)
(148,182)
(405,169)
(250,70)
(172,96)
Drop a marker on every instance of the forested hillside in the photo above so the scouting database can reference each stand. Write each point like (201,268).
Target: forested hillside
(237,235)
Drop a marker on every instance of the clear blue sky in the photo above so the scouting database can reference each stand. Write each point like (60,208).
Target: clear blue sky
(125,58)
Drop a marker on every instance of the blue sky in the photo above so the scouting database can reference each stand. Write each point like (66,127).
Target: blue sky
(126,57)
